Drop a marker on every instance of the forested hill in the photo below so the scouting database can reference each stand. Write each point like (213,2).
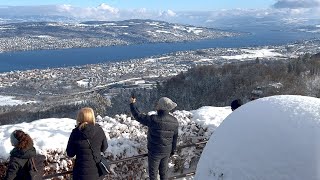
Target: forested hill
(218,86)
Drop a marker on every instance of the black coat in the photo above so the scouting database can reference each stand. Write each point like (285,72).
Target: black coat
(162,130)
(17,168)
(85,167)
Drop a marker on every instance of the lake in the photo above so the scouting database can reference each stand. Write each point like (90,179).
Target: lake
(40,59)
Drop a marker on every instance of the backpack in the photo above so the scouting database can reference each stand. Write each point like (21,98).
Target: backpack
(36,167)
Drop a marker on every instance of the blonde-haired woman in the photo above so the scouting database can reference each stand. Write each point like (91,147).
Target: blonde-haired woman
(86,129)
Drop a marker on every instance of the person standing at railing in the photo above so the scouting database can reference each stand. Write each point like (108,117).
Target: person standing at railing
(162,135)
(86,129)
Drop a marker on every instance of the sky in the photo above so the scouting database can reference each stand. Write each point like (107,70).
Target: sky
(212,13)
(176,5)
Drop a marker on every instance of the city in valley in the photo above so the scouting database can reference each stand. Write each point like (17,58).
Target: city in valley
(40,85)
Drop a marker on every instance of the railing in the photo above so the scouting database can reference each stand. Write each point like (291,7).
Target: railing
(133,158)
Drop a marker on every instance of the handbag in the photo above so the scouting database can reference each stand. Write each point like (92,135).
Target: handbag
(102,165)
(34,173)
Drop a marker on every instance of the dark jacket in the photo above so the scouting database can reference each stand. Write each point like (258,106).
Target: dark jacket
(162,130)
(85,167)
(18,168)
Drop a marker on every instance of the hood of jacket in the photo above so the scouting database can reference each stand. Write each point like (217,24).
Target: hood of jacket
(88,131)
(23,154)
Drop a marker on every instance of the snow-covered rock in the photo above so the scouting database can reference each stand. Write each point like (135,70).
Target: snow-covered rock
(274,138)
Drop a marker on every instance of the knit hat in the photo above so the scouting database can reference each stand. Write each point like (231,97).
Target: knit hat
(13,139)
(235,104)
(165,104)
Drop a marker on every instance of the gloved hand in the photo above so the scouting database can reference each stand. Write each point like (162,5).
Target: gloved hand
(172,153)
(132,100)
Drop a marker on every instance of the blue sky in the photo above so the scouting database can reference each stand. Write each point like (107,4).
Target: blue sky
(196,12)
(177,5)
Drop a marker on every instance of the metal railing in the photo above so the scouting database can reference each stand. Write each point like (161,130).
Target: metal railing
(133,158)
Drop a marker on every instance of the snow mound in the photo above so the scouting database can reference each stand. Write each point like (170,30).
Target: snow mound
(47,134)
(276,138)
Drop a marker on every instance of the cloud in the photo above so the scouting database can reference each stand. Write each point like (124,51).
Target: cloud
(219,18)
(64,8)
(106,7)
(170,13)
(297,4)
(101,12)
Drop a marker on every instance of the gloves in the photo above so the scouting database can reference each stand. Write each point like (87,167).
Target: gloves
(172,153)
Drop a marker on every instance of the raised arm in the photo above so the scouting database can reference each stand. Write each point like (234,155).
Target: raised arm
(142,118)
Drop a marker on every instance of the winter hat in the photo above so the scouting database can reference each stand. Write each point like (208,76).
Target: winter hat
(235,104)
(165,104)
(13,139)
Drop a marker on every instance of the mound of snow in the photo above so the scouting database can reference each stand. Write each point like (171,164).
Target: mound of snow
(47,134)
(126,137)
(276,137)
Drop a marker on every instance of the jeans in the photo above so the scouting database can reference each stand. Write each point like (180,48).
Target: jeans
(158,162)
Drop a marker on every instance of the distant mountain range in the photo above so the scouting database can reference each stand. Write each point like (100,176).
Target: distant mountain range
(60,35)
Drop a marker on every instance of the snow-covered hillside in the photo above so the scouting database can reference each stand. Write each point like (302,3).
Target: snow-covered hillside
(11,101)
(274,138)
(126,138)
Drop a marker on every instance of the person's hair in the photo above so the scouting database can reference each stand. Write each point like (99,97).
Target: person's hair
(235,104)
(24,141)
(85,116)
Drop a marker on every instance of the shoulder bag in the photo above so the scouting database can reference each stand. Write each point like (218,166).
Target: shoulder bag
(102,165)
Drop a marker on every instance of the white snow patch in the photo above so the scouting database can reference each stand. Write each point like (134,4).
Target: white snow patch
(43,36)
(252,54)
(48,134)
(153,23)
(204,60)
(167,32)
(83,83)
(179,27)
(164,57)
(195,30)
(276,85)
(150,60)
(11,101)
(7,28)
(210,117)
(276,137)
(121,26)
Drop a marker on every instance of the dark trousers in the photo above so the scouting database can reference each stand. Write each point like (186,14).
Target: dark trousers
(158,162)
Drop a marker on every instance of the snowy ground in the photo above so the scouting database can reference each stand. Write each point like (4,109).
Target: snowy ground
(253,54)
(11,101)
(126,137)
(270,138)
